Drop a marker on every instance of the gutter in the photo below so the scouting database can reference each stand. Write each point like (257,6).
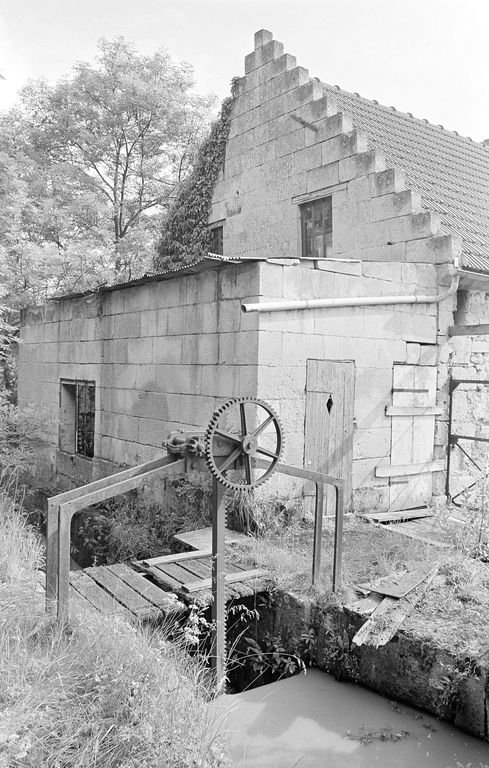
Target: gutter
(360,301)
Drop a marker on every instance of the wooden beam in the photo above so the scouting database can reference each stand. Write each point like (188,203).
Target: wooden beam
(410,469)
(387,618)
(173,558)
(469,330)
(231,578)
(395,410)
(396,517)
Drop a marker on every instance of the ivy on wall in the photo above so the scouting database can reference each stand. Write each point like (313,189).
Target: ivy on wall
(186,238)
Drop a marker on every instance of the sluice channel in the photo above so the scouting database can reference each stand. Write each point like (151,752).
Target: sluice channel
(313,721)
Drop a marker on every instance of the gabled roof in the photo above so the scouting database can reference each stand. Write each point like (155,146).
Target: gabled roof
(450,171)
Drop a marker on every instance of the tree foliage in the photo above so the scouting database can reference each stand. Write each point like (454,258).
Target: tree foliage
(88,166)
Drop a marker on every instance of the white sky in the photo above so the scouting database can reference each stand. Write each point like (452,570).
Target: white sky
(428,57)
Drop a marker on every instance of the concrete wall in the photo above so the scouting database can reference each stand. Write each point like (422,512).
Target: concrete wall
(162,355)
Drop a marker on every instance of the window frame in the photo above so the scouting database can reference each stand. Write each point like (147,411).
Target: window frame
(80,439)
(214,228)
(325,203)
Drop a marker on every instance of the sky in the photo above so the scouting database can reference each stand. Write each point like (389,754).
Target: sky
(428,57)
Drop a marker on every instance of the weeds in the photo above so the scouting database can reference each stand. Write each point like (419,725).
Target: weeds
(99,693)
(387,733)
(135,525)
(21,432)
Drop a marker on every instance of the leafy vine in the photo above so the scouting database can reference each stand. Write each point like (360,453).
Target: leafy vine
(186,238)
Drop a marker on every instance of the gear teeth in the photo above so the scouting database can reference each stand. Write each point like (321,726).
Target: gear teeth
(209,435)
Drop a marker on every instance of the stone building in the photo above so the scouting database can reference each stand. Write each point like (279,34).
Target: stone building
(354,238)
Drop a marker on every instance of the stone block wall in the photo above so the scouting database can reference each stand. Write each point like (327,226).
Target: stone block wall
(374,337)
(289,144)
(161,354)
(470,360)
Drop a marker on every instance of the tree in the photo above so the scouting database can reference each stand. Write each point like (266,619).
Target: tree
(87,168)
(122,133)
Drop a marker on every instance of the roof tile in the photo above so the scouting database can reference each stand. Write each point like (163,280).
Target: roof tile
(450,171)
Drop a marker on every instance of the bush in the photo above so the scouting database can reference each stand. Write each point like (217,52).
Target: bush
(21,432)
(134,526)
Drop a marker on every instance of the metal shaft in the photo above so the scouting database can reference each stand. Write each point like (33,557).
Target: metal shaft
(218,647)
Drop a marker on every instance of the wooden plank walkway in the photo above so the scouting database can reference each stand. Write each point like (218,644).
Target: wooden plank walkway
(418,524)
(189,573)
(425,529)
(143,591)
(118,590)
(202,538)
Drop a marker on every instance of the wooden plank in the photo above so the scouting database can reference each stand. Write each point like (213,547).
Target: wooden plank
(123,593)
(172,558)
(412,437)
(143,586)
(329,430)
(427,537)
(167,581)
(241,588)
(410,469)
(390,614)
(200,568)
(95,595)
(365,605)
(201,539)
(388,517)
(174,570)
(203,570)
(468,330)
(399,583)
(195,586)
(392,410)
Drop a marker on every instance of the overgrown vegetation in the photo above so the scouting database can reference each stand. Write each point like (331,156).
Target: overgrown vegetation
(21,433)
(136,525)
(186,236)
(97,694)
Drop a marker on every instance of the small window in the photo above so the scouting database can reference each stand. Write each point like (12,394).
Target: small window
(217,243)
(317,228)
(77,417)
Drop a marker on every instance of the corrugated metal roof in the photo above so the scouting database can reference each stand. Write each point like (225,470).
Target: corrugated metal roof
(450,171)
(211,261)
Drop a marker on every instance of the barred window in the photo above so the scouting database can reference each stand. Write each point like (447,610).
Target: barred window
(317,228)
(77,417)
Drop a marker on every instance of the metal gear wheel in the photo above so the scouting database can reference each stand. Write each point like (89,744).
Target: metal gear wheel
(238,432)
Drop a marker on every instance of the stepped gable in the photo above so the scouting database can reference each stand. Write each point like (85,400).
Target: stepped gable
(450,171)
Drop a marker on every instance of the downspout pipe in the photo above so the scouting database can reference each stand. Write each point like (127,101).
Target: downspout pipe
(359,301)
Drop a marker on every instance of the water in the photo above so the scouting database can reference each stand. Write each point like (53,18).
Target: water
(303,721)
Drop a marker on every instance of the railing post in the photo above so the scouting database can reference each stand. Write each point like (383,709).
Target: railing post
(318,530)
(338,537)
(218,613)
(52,548)
(64,540)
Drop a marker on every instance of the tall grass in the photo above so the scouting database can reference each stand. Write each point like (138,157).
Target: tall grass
(98,693)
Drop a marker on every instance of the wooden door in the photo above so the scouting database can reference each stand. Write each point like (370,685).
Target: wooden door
(412,436)
(330,391)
